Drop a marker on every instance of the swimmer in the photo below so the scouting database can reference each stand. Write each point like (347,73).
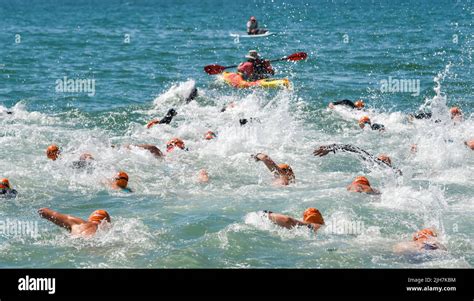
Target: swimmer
(456,114)
(203,176)
(470,144)
(175,142)
(77,226)
(312,219)
(283,173)
(374,126)
(155,151)
(121,181)
(5,189)
(53,152)
(361,184)
(359,104)
(210,135)
(382,159)
(85,161)
(423,240)
(166,120)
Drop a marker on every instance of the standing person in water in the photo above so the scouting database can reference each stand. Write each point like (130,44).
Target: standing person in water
(77,226)
(252,27)
(255,67)
(283,173)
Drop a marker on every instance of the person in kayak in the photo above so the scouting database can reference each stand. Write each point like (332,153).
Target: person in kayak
(252,27)
(5,189)
(283,173)
(166,120)
(361,184)
(312,219)
(423,240)
(359,104)
(374,126)
(75,225)
(255,67)
(382,159)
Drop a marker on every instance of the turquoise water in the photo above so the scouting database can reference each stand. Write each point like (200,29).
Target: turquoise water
(143,55)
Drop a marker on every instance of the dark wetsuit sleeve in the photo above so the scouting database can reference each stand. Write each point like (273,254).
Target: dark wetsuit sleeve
(345,102)
(169,116)
(356,150)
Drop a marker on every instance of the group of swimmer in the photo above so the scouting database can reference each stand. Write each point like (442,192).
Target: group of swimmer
(424,239)
(254,68)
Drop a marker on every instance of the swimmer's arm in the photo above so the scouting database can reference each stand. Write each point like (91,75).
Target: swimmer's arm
(285,221)
(62,220)
(269,163)
(325,149)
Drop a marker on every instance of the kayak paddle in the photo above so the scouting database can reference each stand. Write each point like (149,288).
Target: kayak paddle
(216,69)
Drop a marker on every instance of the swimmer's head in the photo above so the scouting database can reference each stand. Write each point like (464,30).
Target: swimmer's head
(363,121)
(210,135)
(470,143)
(413,148)
(121,180)
(361,180)
(203,176)
(98,216)
(424,234)
(385,158)
(286,170)
(175,142)
(4,184)
(456,113)
(312,215)
(359,104)
(53,152)
(86,157)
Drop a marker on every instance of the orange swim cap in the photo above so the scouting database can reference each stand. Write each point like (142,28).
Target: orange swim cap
(359,104)
(385,158)
(174,142)
(312,215)
(53,152)
(121,179)
(4,183)
(424,234)
(99,215)
(455,111)
(364,120)
(210,135)
(361,180)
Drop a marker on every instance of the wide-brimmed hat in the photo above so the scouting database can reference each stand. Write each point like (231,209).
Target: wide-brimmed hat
(252,55)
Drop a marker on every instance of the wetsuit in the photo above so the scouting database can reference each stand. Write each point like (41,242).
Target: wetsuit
(362,153)
(194,94)
(8,193)
(169,116)
(345,102)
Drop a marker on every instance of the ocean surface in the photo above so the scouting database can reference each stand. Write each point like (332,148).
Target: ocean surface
(143,56)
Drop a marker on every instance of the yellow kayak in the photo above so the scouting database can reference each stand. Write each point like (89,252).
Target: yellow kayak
(235,80)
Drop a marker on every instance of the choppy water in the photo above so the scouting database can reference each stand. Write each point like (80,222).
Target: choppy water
(171,220)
